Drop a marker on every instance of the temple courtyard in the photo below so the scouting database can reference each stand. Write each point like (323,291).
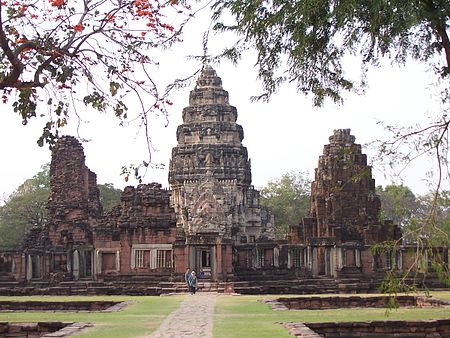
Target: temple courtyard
(208,314)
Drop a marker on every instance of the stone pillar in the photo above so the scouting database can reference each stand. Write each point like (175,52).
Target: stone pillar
(358,258)
(97,263)
(192,257)
(69,263)
(276,256)
(333,261)
(314,266)
(309,258)
(117,260)
(214,262)
(289,258)
(218,263)
(29,269)
(399,256)
(327,259)
(339,258)
(133,259)
(76,264)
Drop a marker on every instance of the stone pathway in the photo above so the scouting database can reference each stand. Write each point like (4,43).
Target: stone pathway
(194,318)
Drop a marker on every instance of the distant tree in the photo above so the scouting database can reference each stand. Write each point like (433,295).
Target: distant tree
(288,199)
(109,196)
(57,53)
(26,207)
(398,203)
(432,219)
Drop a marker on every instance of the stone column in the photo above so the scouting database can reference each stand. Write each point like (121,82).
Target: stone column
(29,269)
(76,264)
(214,262)
(358,258)
(97,263)
(399,256)
(276,257)
(308,258)
(314,266)
(339,258)
(217,262)
(192,257)
(69,263)
(333,261)
(289,258)
(117,260)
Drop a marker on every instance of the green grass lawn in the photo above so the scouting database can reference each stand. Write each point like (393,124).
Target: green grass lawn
(235,316)
(136,320)
(244,316)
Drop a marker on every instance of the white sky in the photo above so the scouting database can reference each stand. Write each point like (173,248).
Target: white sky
(283,135)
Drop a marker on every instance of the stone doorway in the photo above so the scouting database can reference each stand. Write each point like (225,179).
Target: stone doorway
(202,259)
(82,263)
(204,262)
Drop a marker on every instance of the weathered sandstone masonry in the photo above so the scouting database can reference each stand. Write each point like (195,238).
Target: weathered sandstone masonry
(209,220)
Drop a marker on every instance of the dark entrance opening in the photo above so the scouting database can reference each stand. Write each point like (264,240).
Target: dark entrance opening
(206,259)
(204,262)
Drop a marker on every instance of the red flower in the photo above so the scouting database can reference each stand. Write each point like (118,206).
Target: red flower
(58,3)
(78,28)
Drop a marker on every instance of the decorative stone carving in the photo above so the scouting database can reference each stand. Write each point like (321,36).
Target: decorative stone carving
(215,194)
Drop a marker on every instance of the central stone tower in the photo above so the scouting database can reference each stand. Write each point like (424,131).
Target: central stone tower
(210,177)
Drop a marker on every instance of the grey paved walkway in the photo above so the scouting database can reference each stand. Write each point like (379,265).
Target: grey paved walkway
(194,318)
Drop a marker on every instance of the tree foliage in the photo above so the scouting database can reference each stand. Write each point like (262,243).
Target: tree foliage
(425,224)
(310,43)
(398,203)
(431,222)
(26,207)
(306,41)
(109,196)
(288,199)
(55,54)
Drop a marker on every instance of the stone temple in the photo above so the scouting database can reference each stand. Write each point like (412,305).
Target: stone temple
(210,177)
(209,220)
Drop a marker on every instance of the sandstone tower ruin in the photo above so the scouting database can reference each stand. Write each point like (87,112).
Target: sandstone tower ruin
(210,176)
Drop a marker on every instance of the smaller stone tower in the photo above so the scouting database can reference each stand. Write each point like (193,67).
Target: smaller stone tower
(73,209)
(343,192)
(344,212)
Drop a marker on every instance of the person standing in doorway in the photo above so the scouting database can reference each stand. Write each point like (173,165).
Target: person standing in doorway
(192,283)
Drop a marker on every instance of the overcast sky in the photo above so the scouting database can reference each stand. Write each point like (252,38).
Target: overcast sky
(283,135)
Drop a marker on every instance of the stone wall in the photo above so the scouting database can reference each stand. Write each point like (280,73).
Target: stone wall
(439,328)
(56,306)
(322,303)
(143,220)
(29,330)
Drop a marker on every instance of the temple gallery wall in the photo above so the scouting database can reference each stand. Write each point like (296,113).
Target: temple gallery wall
(211,219)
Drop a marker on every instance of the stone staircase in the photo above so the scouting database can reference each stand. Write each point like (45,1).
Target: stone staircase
(151,285)
(293,286)
(352,280)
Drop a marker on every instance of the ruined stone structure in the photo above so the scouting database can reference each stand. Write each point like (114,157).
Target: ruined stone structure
(210,177)
(344,214)
(210,220)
